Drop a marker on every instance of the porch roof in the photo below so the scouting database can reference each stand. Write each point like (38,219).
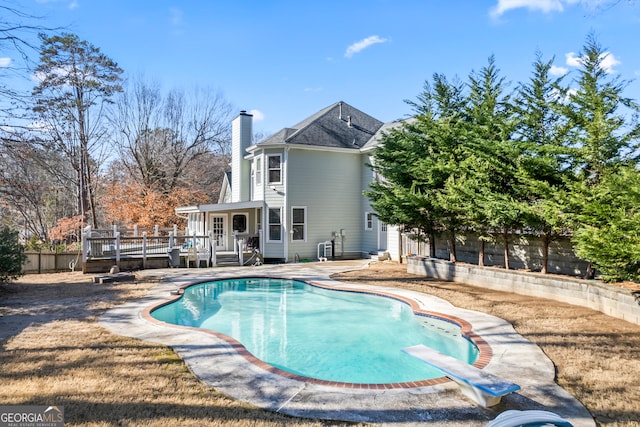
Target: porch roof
(219,207)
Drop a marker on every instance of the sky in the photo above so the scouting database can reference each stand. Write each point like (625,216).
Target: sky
(283,60)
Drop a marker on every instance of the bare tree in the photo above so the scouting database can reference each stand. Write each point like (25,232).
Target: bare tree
(161,139)
(18,43)
(33,185)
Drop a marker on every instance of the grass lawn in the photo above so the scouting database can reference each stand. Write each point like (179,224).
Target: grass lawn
(53,351)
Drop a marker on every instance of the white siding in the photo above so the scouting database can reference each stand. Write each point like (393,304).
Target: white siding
(274,196)
(329,185)
(370,238)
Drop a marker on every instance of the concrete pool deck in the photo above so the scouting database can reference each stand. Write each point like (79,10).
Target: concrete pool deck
(218,364)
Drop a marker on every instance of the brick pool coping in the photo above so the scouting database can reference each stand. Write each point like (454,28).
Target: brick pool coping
(485,352)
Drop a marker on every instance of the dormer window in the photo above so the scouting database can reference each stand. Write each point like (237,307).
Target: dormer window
(274,164)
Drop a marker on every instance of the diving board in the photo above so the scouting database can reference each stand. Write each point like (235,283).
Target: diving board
(484,388)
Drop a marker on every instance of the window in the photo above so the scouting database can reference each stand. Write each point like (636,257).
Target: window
(274,163)
(368,221)
(383,227)
(258,171)
(298,223)
(275,225)
(240,223)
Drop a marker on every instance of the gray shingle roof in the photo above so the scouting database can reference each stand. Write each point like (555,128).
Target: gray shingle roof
(339,126)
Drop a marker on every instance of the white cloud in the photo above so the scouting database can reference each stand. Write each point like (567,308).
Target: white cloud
(313,89)
(607,61)
(558,71)
(572,59)
(363,44)
(5,62)
(544,6)
(257,115)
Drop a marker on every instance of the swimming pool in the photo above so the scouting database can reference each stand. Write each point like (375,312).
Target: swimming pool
(324,334)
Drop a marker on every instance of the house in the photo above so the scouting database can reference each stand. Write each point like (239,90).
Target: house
(298,194)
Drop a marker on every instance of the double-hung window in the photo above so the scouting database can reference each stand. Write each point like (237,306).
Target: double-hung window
(275,224)
(299,223)
(368,221)
(274,165)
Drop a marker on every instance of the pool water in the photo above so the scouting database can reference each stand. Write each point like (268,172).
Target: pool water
(319,333)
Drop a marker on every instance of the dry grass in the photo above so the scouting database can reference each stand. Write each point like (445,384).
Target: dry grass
(53,351)
(597,357)
(57,353)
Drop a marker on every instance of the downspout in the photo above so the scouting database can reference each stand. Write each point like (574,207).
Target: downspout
(285,216)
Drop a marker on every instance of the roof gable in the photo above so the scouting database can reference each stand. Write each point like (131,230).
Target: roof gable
(338,126)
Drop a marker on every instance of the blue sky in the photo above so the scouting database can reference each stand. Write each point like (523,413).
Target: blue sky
(285,60)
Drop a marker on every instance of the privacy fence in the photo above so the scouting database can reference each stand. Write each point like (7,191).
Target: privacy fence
(525,252)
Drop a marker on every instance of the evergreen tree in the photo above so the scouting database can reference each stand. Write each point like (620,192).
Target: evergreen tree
(609,232)
(11,255)
(601,133)
(542,165)
(417,159)
(604,131)
(489,162)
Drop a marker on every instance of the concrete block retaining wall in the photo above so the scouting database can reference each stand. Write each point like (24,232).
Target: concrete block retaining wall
(616,302)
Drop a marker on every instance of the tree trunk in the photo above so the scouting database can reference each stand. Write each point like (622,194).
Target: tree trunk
(505,235)
(452,247)
(432,245)
(591,272)
(481,254)
(546,239)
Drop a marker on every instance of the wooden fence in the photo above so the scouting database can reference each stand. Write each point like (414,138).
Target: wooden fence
(51,262)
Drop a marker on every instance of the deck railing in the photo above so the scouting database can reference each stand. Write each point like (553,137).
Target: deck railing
(110,244)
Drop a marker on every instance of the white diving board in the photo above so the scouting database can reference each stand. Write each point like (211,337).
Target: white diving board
(484,388)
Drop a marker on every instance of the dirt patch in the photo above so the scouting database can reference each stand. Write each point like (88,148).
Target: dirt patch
(597,357)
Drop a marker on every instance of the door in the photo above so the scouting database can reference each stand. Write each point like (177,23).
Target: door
(219,232)
(382,236)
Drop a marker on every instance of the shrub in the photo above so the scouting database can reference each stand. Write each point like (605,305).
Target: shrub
(11,255)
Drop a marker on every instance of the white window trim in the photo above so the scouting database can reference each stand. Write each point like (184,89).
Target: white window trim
(268,169)
(304,231)
(268,228)
(367,226)
(258,171)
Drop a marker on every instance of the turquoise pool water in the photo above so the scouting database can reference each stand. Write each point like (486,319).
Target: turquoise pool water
(319,333)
